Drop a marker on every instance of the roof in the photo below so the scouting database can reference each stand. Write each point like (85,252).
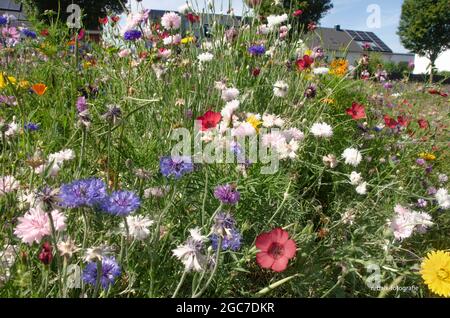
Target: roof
(351,40)
(12,8)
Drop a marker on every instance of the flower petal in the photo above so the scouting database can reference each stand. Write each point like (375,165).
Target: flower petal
(263,241)
(280,264)
(279,235)
(264,260)
(290,249)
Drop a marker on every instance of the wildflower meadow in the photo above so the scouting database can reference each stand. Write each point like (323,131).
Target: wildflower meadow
(155,162)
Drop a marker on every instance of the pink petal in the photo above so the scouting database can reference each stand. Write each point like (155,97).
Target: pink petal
(290,249)
(279,235)
(263,241)
(280,264)
(264,260)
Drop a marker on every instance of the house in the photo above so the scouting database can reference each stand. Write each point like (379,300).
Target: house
(352,44)
(14,9)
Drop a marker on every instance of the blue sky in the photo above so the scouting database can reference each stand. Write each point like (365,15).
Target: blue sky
(350,14)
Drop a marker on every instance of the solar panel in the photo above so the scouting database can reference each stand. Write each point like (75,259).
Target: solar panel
(363,35)
(380,43)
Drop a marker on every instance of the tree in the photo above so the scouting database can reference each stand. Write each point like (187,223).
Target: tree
(425,28)
(92,9)
(313,10)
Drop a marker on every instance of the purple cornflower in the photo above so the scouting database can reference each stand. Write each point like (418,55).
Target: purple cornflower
(3,20)
(257,50)
(85,192)
(388,85)
(431,190)
(175,166)
(8,100)
(429,169)
(310,91)
(223,224)
(132,35)
(110,271)
(227,194)
(81,104)
(29,33)
(236,148)
(420,161)
(121,203)
(421,203)
(31,127)
(231,241)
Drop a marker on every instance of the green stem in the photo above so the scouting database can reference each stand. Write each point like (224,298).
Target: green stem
(216,265)
(183,277)
(97,281)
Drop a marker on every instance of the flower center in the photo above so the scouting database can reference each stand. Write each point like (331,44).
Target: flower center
(443,274)
(276,250)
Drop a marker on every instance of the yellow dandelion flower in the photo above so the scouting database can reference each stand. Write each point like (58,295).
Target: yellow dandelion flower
(255,122)
(435,271)
(328,101)
(5,80)
(188,39)
(339,67)
(308,52)
(24,84)
(427,156)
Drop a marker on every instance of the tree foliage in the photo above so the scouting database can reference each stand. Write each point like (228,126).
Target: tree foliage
(425,27)
(313,10)
(92,9)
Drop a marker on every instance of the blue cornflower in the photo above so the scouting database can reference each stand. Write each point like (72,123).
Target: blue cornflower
(29,33)
(110,271)
(227,194)
(31,127)
(175,166)
(132,35)
(3,20)
(121,203)
(223,224)
(86,192)
(257,50)
(231,241)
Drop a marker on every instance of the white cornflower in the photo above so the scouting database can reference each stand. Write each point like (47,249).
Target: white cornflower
(293,133)
(67,248)
(191,252)
(288,150)
(138,226)
(280,89)
(330,161)
(205,57)
(355,178)
(361,188)
(352,156)
(443,198)
(229,94)
(8,184)
(321,70)
(275,20)
(322,130)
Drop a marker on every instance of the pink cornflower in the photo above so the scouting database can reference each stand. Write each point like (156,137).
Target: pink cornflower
(35,225)
(171,21)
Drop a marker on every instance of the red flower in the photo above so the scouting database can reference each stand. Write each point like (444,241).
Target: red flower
(256,71)
(312,26)
(209,119)
(390,122)
(103,20)
(422,123)
(297,13)
(305,62)
(81,34)
(356,111)
(45,32)
(276,249)
(443,94)
(402,121)
(192,17)
(46,255)
(433,91)
(115,18)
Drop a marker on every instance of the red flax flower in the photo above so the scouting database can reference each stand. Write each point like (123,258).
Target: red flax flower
(402,121)
(46,255)
(390,122)
(423,124)
(276,249)
(305,62)
(297,13)
(209,119)
(103,20)
(356,111)
(192,18)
